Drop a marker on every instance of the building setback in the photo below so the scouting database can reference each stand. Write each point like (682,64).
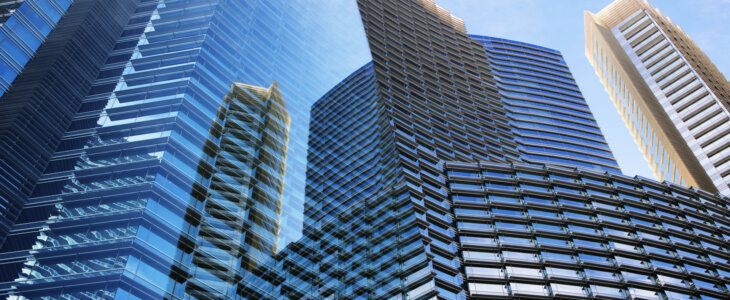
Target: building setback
(419,184)
(672,98)
(437,170)
(141,169)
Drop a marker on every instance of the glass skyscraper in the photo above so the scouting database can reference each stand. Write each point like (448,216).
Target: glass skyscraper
(193,162)
(547,112)
(41,102)
(468,167)
(135,166)
(25,24)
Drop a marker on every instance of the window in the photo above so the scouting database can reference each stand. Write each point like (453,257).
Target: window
(507,225)
(499,185)
(538,200)
(484,272)
(472,174)
(578,216)
(594,259)
(524,272)
(469,211)
(554,256)
(621,260)
(552,241)
(568,290)
(636,277)
(643,294)
(479,241)
(515,240)
(469,198)
(550,227)
(488,289)
(509,212)
(481,256)
(497,174)
(605,291)
(500,198)
(669,280)
(466,185)
(528,289)
(563,273)
(542,213)
(598,274)
(519,256)
(533,187)
(474,225)
(571,202)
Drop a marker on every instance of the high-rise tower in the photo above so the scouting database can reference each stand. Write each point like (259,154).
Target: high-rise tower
(433,171)
(25,26)
(134,167)
(466,167)
(41,101)
(670,95)
(551,121)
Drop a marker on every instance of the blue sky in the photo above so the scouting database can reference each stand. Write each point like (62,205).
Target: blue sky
(558,24)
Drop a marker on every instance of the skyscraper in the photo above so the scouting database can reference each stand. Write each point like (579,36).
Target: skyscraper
(431,171)
(134,167)
(551,121)
(438,171)
(668,92)
(242,178)
(25,25)
(39,105)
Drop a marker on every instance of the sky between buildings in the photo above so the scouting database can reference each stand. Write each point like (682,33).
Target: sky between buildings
(558,24)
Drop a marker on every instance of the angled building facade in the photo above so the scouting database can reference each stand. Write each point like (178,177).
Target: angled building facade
(138,169)
(435,171)
(406,201)
(25,25)
(668,92)
(40,104)
(551,121)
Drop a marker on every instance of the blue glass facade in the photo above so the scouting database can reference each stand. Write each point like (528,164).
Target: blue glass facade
(181,168)
(155,186)
(399,208)
(39,106)
(526,231)
(551,121)
(25,25)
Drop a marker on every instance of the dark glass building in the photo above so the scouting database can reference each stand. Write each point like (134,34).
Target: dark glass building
(136,167)
(39,106)
(435,171)
(555,232)
(548,115)
(468,167)
(25,25)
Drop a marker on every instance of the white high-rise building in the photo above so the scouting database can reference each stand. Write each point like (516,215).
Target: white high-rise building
(672,97)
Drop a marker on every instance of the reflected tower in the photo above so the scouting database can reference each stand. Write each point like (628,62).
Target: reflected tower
(243,169)
(139,168)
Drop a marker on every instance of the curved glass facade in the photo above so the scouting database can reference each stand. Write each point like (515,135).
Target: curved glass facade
(547,112)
